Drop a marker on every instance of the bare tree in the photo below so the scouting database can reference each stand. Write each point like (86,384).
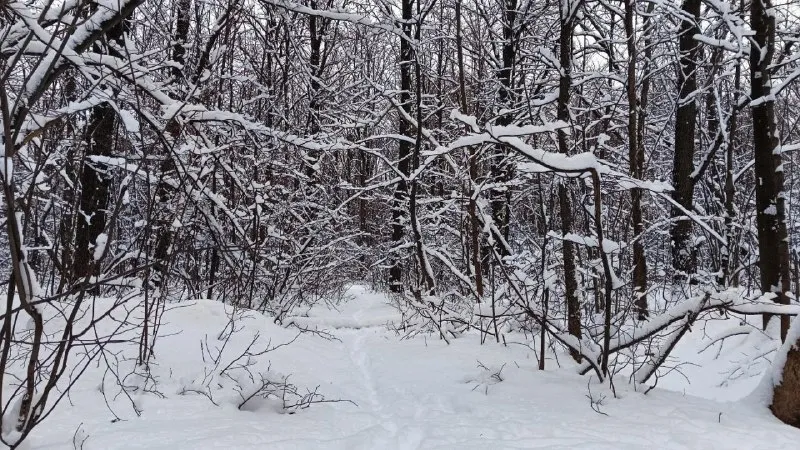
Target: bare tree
(568,16)
(683,253)
(773,245)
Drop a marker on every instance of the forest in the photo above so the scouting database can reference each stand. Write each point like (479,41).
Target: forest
(596,178)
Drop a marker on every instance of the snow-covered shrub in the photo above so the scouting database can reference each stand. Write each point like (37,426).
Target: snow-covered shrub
(236,371)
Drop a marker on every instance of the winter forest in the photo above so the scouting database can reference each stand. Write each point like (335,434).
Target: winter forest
(399,224)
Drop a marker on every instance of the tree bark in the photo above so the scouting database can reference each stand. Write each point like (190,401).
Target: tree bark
(773,245)
(786,396)
(636,161)
(502,170)
(683,258)
(164,192)
(405,149)
(67,225)
(472,206)
(729,252)
(316,27)
(567,20)
(95,181)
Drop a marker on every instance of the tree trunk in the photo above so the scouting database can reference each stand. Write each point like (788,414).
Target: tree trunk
(95,183)
(316,29)
(405,150)
(67,225)
(773,246)
(728,251)
(683,258)
(426,277)
(564,200)
(636,157)
(786,396)
(501,169)
(164,191)
(472,207)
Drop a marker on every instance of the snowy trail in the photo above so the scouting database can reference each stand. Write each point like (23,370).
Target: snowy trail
(411,394)
(380,400)
(360,359)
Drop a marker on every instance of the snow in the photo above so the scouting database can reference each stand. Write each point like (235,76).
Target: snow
(695,218)
(589,241)
(774,373)
(128,119)
(365,309)
(415,393)
(100,246)
(7,170)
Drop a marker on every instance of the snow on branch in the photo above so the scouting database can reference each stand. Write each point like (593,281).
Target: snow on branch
(339,15)
(543,160)
(686,312)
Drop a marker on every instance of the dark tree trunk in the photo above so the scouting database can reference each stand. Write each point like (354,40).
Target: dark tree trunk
(564,200)
(95,183)
(67,226)
(472,207)
(502,170)
(773,249)
(183,8)
(636,157)
(316,27)
(426,277)
(729,252)
(786,396)
(683,258)
(164,191)
(405,150)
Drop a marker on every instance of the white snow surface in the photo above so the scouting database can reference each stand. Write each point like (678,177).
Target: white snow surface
(416,393)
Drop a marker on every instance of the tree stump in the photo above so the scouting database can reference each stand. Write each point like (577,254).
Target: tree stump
(786,396)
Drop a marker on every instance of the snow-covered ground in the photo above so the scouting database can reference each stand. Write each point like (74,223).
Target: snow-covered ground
(403,394)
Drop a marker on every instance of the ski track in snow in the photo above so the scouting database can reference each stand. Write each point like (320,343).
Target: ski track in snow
(360,359)
(411,394)
(394,436)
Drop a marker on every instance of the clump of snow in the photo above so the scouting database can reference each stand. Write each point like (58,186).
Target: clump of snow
(7,170)
(774,374)
(100,246)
